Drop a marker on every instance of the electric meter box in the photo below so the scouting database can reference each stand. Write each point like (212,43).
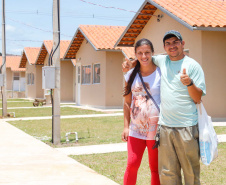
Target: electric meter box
(1,80)
(48,77)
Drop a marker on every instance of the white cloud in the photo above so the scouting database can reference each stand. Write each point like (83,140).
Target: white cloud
(17,51)
(10,28)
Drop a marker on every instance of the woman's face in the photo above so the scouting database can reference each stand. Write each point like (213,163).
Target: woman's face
(144,55)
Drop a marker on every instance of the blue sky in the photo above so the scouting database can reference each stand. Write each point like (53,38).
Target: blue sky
(38,13)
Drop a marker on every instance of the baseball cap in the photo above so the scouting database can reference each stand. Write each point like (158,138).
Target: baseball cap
(172,32)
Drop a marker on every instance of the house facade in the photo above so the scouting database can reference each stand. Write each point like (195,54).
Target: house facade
(98,74)
(15,77)
(66,70)
(33,84)
(203,31)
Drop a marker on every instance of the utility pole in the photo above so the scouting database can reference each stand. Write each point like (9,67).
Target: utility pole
(3,68)
(56,63)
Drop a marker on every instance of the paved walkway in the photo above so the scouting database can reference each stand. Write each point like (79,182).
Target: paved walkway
(70,105)
(94,149)
(106,148)
(64,117)
(219,124)
(25,160)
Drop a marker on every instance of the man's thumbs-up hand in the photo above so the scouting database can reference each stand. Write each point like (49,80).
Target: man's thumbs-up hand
(184,78)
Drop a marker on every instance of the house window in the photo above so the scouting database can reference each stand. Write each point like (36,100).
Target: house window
(16,76)
(96,73)
(79,74)
(86,74)
(30,78)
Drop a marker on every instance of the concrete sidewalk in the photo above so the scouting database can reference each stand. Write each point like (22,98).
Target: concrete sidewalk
(71,106)
(25,160)
(94,149)
(64,117)
(107,148)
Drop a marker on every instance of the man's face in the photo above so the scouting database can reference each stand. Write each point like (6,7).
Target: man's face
(174,48)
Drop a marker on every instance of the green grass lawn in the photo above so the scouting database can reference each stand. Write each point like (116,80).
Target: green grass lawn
(35,112)
(18,104)
(19,99)
(220,130)
(90,130)
(113,165)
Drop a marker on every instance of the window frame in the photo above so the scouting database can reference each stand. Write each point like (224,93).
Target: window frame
(16,75)
(30,79)
(94,73)
(83,74)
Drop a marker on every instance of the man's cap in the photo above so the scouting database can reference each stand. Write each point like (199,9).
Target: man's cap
(172,32)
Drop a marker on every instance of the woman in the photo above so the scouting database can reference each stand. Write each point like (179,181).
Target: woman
(141,113)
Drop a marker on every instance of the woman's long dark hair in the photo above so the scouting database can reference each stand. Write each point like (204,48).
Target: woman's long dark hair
(141,42)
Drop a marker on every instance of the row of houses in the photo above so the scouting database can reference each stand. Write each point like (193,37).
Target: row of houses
(16,77)
(89,63)
(91,71)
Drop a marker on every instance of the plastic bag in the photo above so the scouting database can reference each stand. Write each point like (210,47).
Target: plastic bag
(207,137)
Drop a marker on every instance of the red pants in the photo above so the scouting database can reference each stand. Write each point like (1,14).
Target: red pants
(136,149)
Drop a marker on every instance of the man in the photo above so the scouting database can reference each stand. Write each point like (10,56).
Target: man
(182,86)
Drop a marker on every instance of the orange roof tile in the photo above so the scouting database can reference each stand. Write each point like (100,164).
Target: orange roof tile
(32,54)
(100,37)
(47,47)
(194,14)
(128,52)
(197,13)
(29,54)
(13,63)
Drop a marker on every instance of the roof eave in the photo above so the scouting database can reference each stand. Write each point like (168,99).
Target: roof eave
(21,59)
(72,40)
(210,28)
(125,54)
(114,50)
(27,57)
(47,48)
(131,22)
(171,15)
(39,54)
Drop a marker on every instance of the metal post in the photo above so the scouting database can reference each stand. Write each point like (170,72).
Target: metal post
(3,70)
(56,62)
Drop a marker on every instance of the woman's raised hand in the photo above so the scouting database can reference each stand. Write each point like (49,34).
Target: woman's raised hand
(127,65)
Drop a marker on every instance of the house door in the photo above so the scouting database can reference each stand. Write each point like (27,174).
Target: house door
(16,81)
(78,86)
(22,84)
(16,85)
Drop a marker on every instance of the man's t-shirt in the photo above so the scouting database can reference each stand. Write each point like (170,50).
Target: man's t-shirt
(144,115)
(177,108)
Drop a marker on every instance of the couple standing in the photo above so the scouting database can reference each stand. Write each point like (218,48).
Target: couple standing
(182,85)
